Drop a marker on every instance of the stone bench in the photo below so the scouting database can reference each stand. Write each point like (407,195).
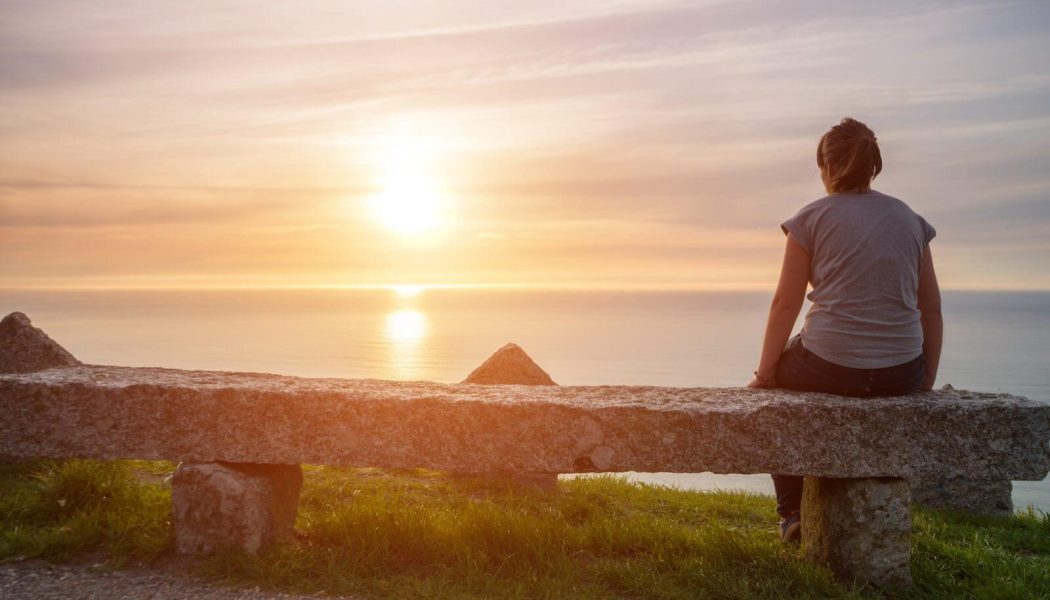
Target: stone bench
(857,454)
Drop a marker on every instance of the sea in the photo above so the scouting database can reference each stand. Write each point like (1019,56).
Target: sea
(994,341)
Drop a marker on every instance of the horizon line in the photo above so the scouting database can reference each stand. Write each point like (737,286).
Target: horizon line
(419,287)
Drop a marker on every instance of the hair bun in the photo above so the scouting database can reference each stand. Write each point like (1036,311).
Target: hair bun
(849,151)
(851,127)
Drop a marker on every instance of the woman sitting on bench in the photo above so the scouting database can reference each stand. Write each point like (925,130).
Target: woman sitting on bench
(874,327)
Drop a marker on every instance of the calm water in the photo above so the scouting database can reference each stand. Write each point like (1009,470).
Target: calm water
(993,342)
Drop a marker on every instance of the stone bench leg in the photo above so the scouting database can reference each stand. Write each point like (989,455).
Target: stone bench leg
(860,528)
(217,506)
(980,496)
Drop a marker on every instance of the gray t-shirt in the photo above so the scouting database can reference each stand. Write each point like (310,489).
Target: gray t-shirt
(865,252)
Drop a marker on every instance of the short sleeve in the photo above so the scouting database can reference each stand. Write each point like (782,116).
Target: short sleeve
(798,227)
(928,232)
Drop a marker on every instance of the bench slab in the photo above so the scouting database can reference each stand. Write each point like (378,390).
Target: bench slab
(203,416)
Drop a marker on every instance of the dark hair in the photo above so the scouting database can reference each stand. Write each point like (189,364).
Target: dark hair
(850,153)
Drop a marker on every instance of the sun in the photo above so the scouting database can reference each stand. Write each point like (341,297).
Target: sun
(409,200)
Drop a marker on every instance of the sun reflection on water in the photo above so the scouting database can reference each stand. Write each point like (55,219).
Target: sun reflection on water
(405,330)
(406,327)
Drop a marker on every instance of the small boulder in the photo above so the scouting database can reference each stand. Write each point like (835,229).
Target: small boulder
(26,349)
(509,365)
(232,505)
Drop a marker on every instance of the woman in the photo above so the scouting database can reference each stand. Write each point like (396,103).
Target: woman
(875,327)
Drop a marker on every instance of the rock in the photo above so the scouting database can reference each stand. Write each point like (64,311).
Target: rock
(201,416)
(218,506)
(964,494)
(509,365)
(859,528)
(25,349)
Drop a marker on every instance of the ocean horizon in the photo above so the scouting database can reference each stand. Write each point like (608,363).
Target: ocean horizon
(995,341)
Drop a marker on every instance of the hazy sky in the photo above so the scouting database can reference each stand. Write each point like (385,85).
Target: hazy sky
(570,143)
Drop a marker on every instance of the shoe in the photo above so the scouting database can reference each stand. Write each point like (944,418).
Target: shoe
(791,529)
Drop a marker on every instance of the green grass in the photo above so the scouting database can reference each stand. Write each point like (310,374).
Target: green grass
(421,535)
(58,510)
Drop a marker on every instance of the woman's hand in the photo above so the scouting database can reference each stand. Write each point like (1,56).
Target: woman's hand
(762,382)
(928,381)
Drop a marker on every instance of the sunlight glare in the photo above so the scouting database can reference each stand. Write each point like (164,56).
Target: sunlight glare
(407,291)
(409,200)
(405,326)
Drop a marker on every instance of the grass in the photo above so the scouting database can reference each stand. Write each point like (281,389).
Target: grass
(421,535)
(58,510)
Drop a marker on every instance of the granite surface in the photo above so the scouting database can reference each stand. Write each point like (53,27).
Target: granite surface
(203,416)
(966,494)
(24,348)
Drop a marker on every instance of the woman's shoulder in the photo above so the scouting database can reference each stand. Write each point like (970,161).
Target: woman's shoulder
(908,215)
(816,205)
(844,205)
(901,206)
(853,207)
(850,201)
(876,194)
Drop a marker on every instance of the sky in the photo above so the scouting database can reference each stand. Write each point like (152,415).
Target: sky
(582,144)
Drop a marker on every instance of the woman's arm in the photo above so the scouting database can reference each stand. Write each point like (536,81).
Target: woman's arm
(932,322)
(787,302)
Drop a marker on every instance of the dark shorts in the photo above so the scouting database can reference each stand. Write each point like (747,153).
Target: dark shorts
(800,369)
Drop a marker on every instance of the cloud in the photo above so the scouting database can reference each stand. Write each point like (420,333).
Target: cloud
(144,132)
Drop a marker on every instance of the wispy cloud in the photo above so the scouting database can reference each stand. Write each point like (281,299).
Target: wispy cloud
(654,140)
